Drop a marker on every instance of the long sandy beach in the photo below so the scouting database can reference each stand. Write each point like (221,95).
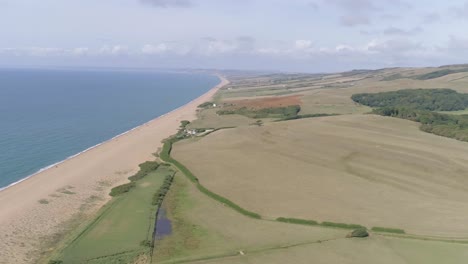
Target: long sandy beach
(36,212)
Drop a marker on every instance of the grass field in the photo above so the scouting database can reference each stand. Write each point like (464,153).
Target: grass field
(361,169)
(206,231)
(115,236)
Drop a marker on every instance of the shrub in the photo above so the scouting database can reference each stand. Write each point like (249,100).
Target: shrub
(121,189)
(388,230)
(43,201)
(158,197)
(145,168)
(206,105)
(55,261)
(146,243)
(360,232)
(184,123)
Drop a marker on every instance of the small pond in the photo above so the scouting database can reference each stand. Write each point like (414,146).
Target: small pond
(163,225)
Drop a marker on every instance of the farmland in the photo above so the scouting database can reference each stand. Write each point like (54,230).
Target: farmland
(378,171)
(311,181)
(206,231)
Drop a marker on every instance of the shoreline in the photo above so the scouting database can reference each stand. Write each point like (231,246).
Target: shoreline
(105,141)
(38,207)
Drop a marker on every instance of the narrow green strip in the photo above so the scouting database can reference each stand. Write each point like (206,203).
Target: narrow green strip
(388,230)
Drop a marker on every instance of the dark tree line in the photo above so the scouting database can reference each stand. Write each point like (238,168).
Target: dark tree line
(421,99)
(452,126)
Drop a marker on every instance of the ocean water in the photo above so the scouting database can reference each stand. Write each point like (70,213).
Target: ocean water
(49,115)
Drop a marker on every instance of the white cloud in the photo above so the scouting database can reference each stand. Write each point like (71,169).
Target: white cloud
(33,51)
(393,46)
(155,49)
(113,50)
(80,51)
(302,44)
(383,50)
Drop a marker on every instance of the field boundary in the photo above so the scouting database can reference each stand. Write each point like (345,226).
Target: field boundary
(166,157)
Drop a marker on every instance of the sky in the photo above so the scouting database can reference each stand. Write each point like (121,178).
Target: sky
(278,35)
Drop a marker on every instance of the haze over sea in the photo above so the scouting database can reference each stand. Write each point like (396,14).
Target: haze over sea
(47,116)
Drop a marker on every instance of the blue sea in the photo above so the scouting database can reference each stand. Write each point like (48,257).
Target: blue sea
(49,115)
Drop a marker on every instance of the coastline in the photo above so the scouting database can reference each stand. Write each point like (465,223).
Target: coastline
(108,140)
(40,205)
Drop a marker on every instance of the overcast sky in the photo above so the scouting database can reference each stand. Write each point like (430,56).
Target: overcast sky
(288,35)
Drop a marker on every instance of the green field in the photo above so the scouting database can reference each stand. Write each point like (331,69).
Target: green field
(116,235)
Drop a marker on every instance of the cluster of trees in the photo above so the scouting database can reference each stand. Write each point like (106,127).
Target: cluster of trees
(452,126)
(181,132)
(272,112)
(422,99)
(158,197)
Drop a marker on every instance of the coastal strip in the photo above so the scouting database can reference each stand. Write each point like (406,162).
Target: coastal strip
(37,210)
